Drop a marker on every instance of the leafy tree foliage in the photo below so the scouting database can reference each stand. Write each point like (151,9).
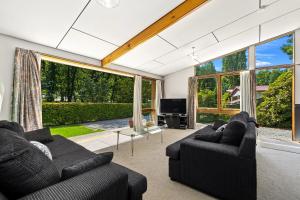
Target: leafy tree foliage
(146,93)
(207,68)
(265,77)
(275,109)
(71,84)
(233,62)
(207,96)
(288,47)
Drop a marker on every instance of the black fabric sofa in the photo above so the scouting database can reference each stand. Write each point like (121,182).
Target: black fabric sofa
(221,170)
(108,182)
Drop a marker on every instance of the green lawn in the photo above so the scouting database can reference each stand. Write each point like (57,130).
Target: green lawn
(72,130)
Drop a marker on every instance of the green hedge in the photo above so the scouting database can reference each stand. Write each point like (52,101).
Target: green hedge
(74,113)
(211,118)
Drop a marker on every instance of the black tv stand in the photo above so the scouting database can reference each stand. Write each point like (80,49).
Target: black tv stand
(176,121)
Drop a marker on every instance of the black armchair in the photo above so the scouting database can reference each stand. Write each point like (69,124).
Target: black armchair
(224,171)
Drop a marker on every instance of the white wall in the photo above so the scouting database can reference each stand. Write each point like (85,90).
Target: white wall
(176,84)
(7,51)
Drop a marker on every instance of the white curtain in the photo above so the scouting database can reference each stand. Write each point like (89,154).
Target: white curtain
(137,105)
(158,95)
(27,95)
(248,92)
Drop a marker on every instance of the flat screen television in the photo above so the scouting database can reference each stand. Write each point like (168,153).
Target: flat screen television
(173,106)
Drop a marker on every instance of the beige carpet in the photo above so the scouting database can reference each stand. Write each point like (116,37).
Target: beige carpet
(278,174)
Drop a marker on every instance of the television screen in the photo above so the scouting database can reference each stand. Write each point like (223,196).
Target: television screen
(176,106)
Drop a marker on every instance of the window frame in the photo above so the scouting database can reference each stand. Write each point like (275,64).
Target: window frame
(219,109)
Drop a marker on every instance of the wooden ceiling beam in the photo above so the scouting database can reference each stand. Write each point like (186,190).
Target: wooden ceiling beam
(164,22)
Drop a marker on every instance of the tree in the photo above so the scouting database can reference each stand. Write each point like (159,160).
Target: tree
(207,98)
(266,77)
(146,93)
(288,47)
(275,109)
(207,68)
(233,62)
(72,84)
(49,81)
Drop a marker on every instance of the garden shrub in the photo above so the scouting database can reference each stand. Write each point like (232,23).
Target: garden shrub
(74,113)
(275,110)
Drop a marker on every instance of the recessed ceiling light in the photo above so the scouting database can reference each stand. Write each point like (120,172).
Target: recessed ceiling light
(109,3)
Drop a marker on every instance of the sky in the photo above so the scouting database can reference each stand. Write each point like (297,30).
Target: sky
(267,54)
(270,53)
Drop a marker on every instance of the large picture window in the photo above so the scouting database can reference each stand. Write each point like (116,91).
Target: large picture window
(219,86)
(274,80)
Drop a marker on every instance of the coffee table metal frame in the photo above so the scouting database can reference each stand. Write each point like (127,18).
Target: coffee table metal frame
(131,133)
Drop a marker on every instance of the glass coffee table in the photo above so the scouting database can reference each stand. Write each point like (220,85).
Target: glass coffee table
(132,134)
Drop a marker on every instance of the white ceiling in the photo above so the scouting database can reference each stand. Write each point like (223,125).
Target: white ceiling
(80,43)
(216,28)
(41,21)
(120,24)
(206,19)
(239,41)
(145,52)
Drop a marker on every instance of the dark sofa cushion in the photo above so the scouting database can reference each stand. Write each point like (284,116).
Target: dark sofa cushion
(23,167)
(218,123)
(234,132)
(61,146)
(66,152)
(87,165)
(41,135)
(208,134)
(12,126)
(242,116)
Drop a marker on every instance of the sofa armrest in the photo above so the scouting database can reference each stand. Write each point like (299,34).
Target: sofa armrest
(105,183)
(41,135)
(247,148)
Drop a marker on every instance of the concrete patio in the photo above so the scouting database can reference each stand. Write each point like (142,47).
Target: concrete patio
(108,138)
(108,124)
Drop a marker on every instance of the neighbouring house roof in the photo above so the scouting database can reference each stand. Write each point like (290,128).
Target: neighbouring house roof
(262,88)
